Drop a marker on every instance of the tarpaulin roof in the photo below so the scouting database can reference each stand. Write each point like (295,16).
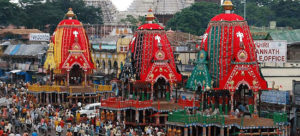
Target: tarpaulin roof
(25,50)
(291,36)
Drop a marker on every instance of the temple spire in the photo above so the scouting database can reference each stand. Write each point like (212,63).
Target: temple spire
(228,6)
(70,14)
(150,16)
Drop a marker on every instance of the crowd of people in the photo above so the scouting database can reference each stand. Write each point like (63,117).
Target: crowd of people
(21,115)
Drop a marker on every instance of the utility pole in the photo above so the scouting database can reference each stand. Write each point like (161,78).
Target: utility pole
(244,2)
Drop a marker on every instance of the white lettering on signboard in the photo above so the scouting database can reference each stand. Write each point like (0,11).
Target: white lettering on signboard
(39,37)
(271,51)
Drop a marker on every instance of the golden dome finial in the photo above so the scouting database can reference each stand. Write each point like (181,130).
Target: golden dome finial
(70,13)
(201,55)
(227,5)
(150,16)
(242,55)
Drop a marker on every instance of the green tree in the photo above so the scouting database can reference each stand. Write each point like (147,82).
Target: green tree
(10,13)
(287,13)
(130,20)
(135,22)
(259,15)
(86,14)
(45,15)
(194,19)
(261,12)
(50,13)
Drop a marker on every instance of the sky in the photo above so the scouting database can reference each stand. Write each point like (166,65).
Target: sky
(121,5)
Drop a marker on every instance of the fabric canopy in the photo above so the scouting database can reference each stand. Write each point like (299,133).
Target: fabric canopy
(15,71)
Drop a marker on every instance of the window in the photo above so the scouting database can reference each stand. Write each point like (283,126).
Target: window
(123,49)
(91,108)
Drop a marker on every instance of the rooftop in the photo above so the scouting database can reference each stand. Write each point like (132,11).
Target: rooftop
(25,50)
(179,38)
(19,31)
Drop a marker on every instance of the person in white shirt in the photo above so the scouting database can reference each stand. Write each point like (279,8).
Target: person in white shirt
(79,104)
(9,127)
(6,128)
(28,123)
(76,130)
(58,130)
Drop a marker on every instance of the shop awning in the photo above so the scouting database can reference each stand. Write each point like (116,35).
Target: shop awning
(15,71)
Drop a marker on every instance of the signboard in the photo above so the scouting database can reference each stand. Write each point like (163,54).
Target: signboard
(276,97)
(39,37)
(271,51)
(296,91)
(181,48)
(188,68)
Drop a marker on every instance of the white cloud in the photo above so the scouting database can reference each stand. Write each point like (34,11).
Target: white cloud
(121,5)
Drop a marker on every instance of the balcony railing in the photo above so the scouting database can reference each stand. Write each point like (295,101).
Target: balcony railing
(182,117)
(189,103)
(57,88)
(117,103)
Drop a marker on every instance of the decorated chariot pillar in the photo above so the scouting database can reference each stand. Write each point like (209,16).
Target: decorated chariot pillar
(231,100)
(144,116)
(213,102)
(186,131)
(208,101)
(202,95)
(203,131)
(119,115)
(222,131)
(231,90)
(68,77)
(254,100)
(255,95)
(58,98)
(62,98)
(51,98)
(39,97)
(70,97)
(148,94)
(47,97)
(90,98)
(133,93)
(124,114)
(123,90)
(171,91)
(85,78)
(221,104)
(157,119)
(142,94)
(152,91)
(137,115)
(226,105)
